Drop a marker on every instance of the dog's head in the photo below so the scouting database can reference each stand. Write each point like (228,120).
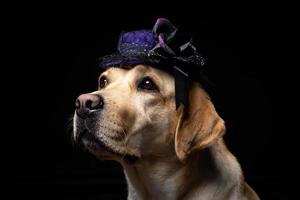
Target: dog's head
(133,116)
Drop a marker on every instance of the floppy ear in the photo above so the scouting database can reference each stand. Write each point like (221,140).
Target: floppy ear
(199,126)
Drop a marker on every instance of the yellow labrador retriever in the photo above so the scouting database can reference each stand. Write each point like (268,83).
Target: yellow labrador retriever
(165,153)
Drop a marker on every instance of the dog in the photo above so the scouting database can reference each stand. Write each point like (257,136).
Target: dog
(166,153)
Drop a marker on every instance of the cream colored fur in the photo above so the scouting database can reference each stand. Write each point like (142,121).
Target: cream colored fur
(181,153)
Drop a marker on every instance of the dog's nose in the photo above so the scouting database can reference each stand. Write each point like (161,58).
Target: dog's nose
(88,103)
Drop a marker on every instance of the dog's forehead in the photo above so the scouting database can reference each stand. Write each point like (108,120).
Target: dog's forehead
(144,70)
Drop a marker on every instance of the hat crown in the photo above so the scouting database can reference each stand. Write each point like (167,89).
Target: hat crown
(136,41)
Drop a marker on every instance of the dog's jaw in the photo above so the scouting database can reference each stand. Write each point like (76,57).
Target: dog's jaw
(97,144)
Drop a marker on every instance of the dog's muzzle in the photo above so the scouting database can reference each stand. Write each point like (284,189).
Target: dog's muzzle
(88,106)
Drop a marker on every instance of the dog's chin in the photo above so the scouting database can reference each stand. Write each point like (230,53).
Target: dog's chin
(98,148)
(88,142)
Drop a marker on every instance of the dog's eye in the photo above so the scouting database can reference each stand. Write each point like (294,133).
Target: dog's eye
(103,82)
(148,85)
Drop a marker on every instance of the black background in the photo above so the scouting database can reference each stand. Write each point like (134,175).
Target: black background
(54,53)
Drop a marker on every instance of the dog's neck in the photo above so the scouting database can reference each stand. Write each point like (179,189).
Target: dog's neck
(168,178)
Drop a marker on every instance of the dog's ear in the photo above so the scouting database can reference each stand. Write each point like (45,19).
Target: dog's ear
(198,126)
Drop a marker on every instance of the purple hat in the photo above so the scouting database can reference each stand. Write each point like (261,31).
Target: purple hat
(163,47)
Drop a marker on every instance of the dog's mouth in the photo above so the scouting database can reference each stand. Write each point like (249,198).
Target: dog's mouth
(91,143)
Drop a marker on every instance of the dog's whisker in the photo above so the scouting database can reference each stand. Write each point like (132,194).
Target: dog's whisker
(123,157)
(86,126)
(70,129)
(69,121)
(123,132)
